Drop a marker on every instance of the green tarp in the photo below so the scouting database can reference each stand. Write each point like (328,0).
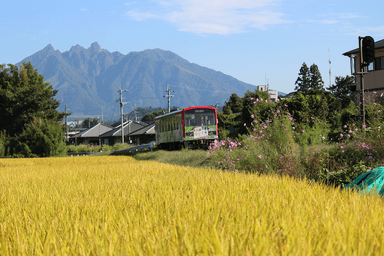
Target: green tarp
(369,182)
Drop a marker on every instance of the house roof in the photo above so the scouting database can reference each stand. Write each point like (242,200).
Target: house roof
(378,45)
(149,129)
(130,125)
(94,131)
(289,95)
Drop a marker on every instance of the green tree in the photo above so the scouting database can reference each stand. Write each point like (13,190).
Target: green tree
(41,138)
(342,90)
(24,100)
(89,122)
(316,84)
(23,96)
(309,80)
(151,116)
(303,81)
(234,103)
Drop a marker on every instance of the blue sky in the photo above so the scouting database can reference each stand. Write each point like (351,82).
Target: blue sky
(251,40)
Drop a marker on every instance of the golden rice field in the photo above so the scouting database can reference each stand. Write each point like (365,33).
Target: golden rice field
(119,206)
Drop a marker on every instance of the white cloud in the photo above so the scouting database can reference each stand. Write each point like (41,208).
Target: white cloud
(137,15)
(215,16)
(363,31)
(334,18)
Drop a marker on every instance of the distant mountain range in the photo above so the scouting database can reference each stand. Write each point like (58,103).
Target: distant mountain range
(87,80)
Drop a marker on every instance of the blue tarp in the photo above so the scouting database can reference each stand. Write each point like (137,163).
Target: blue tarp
(369,182)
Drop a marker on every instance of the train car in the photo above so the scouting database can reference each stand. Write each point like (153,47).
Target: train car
(193,127)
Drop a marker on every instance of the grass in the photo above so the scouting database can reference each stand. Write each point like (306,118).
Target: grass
(184,157)
(116,205)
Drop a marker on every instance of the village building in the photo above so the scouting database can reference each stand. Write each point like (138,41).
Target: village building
(265,88)
(91,135)
(374,78)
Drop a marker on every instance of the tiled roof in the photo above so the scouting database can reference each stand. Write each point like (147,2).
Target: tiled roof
(94,131)
(132,126)
(378,45)
(149,129)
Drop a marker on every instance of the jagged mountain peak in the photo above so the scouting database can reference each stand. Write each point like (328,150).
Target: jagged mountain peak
(49,49)
(95,47)
(76,48)
(87,79)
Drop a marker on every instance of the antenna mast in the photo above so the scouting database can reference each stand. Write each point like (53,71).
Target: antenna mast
(330,72)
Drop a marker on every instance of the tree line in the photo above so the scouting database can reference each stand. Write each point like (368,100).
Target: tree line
(334,105)
(30,124)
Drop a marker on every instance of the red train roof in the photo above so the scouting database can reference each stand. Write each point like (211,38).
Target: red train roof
(181,110)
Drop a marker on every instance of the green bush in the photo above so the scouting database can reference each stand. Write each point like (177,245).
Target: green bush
(40,138)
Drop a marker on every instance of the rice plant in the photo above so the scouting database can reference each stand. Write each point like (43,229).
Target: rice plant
(120,206)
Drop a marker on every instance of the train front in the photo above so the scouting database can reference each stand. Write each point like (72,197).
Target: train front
(200,126)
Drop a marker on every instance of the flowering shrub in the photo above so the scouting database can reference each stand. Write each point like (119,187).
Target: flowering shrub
(267,148)
(277,142)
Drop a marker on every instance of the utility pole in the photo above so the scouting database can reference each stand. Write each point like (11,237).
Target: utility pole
(102,114)
(66,124)
(135,113)
(121,113)
(169,96)
(99,132)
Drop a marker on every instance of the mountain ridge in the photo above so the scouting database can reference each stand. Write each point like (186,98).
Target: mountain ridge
(87,80)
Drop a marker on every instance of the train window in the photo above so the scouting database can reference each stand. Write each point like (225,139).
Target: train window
(168,125)
(200,118)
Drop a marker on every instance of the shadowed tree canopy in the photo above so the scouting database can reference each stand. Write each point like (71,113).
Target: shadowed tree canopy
(24,96)
(234,103)
(151,116)
(342,89)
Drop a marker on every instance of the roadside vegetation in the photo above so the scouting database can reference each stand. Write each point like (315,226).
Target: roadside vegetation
(95,148)
(184,157)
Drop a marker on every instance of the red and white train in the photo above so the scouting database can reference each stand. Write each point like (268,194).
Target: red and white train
(193,127)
